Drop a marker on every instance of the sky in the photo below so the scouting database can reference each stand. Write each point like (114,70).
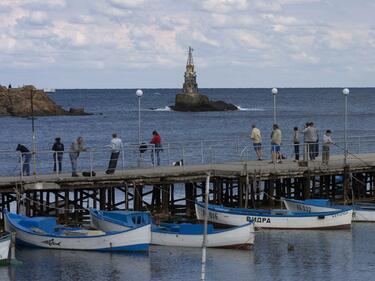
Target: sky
(143,43)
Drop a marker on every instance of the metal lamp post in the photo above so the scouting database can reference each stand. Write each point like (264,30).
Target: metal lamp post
(345,92)
(139,94)
(274,93)
(33,140)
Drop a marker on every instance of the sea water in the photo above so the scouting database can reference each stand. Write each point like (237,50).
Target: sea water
(317,255)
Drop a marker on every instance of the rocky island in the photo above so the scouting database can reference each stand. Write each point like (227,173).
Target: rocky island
(190,99)
(27,101)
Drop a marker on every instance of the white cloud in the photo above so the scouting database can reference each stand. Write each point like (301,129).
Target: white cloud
(249,40)
(126,4)
(224,6)
(130,35)
(305,58)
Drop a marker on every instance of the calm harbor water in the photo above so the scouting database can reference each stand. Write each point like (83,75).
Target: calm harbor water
(318,255)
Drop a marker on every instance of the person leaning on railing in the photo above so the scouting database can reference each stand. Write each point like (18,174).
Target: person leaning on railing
(75,149)
(327,140)
(26,157)
(256,137)
(156,141)
(116,147)
(275,144)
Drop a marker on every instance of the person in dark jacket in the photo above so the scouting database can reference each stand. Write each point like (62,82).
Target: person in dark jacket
(58,152)
(156,141)
(26,157)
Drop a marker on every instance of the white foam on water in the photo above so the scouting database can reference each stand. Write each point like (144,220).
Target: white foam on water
(166,108)
(248,109)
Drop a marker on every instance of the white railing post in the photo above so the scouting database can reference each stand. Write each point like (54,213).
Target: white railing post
(154,163)
(169,153)
(202,152)
(123,157)
(91,162)
(359,145)
(56,162)
(183,155)
(21,162)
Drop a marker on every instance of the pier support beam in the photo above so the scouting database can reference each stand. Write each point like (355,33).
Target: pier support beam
(190,198)
(165,200)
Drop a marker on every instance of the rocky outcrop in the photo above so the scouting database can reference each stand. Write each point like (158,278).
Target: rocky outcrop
(198,102)
(190,99)
(17,102)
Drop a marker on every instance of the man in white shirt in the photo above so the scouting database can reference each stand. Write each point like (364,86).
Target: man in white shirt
(256,137)
(116,147)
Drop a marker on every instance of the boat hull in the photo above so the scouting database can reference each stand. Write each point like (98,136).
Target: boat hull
(129,240)
(4,248)
(360,213)
(238,237)
(227,216)
(241,237)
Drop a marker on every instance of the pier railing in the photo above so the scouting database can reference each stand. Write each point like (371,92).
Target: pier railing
(193,152)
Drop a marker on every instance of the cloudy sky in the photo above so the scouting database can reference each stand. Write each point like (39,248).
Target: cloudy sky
(143,43)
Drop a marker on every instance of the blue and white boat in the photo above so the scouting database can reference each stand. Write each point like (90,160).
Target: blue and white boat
(362,212)
(5,239)
(275,219)
(178,235)
(118,220)
(44,232)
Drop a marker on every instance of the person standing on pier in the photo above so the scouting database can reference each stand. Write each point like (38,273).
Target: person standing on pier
(58,152)
(316,135)
(256,137)
(26,157)
(275,144)
(156,141)
(310,136)
(116,147)
(75,149)
(327,140)
(296,143)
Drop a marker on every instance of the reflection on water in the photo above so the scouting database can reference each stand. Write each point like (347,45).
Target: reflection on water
(317,255)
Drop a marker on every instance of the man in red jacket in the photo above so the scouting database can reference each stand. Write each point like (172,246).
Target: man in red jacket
(156,141)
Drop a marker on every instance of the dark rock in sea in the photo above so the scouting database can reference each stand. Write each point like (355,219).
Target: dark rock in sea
(17,102)
(198,102)
(190,99)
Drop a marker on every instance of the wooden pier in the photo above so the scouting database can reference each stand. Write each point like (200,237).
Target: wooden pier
(167,190)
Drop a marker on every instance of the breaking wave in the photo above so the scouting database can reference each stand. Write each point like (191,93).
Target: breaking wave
(166,108)
(248,109)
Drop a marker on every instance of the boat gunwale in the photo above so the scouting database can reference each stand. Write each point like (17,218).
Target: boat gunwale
(216,231)
(106,234)
(267,213)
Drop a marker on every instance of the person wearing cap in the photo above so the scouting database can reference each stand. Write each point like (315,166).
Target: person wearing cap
(58,152)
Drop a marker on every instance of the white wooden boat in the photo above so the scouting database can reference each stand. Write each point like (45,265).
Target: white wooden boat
(43,232)
(275,219)
(362,212)
(191,235)
(179,235)
(4,248)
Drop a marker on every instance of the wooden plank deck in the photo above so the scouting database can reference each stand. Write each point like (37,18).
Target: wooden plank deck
(263,170)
